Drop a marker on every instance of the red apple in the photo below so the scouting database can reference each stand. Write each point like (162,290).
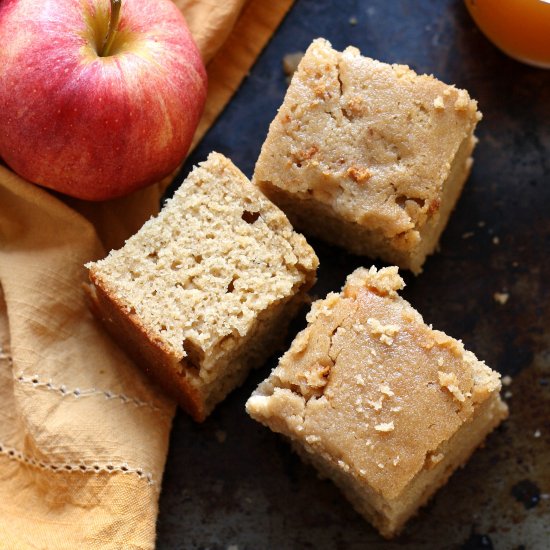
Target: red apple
(91,115)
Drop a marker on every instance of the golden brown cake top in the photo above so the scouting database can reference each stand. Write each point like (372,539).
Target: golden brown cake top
(375,141)
(219,253)
(369,384)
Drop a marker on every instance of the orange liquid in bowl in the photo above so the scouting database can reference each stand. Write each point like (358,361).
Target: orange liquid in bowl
(520,28)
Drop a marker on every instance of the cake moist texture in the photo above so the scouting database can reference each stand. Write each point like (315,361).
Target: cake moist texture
(204,291)
(378,401)
(368,156)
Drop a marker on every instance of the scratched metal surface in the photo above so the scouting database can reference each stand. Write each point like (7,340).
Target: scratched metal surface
(231,483)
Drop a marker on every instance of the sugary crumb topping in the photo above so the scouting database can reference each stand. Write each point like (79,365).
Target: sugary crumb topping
(322,307)
(386,390)
(384,332)
(385,281)
(449,381)
(439,103)
(385,427)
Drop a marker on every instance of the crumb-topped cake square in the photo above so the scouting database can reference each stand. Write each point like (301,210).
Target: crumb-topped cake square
(204,291)
(377,400)
(369,156)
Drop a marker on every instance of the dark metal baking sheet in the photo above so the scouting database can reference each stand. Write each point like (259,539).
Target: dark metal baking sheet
(231,483)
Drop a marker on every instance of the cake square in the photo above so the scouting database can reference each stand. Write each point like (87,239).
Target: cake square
(377,400)
(377,152)
(204,291)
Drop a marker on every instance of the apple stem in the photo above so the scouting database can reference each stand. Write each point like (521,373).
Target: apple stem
(113,25)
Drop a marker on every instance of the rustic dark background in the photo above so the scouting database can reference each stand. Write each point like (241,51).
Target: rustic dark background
(231,483)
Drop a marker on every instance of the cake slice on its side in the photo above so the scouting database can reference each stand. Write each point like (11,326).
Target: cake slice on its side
(378,401)
(377,152)
(204,291)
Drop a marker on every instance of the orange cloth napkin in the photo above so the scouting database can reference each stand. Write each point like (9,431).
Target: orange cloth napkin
(83,435)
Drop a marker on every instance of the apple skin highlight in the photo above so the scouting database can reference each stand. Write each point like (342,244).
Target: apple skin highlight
(97,127)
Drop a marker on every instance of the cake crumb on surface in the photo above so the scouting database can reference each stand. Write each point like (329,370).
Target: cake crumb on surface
(506,380)
(386,281)
(439,103)
(385,427)
(436,458)
(449,381)
(343,465)
(501,297)
(359,174)
(463,101)
(376,405)
(385,333)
